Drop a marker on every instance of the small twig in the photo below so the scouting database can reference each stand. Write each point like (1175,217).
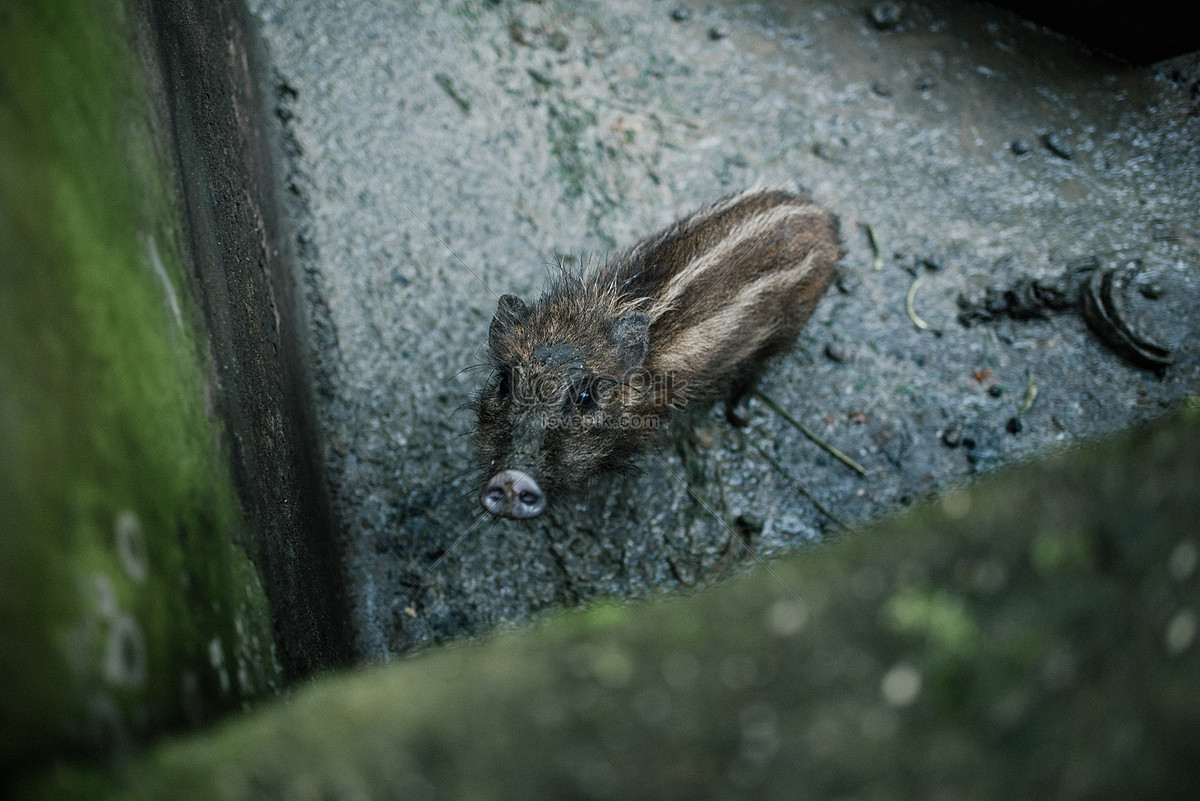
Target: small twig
(447,83)
(1031,393)
(912,312)
(877,262)
(803,429)
(791,479)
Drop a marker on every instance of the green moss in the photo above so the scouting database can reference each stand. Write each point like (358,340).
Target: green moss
(568,127)
(928,658)
(116,565)
(939,616)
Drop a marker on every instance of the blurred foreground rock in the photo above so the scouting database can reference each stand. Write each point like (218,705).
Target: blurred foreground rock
(1033,636)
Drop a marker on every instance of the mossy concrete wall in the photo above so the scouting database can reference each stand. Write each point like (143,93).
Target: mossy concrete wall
(1035,636)
(243,277)
(160,539)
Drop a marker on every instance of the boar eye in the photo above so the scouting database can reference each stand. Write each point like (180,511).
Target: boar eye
(503,385)
(583,397)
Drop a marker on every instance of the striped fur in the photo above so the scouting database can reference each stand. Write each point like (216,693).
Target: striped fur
(727,288)
(683,318)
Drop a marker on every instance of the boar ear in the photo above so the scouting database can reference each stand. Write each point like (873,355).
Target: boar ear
(511,310)
(630,337)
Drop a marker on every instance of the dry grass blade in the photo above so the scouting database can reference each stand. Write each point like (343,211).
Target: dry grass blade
(806,431)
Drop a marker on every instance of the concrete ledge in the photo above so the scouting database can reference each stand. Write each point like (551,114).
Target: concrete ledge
(1032,637)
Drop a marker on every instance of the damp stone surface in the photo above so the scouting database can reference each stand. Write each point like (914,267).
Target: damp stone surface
(445,153)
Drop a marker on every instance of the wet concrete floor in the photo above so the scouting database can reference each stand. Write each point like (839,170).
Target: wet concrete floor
(983,170)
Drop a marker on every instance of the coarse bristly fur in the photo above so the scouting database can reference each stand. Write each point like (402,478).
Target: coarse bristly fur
(587,375)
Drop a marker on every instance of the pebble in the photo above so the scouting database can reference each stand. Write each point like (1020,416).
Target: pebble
(1151,291)
(681,14)
(1019,147)
(799,39)
(749,523)
(834,151)
(986,452)
(925,83)
(1014,425)
(835,352)
(717,33)
(996,391)
(885,16)
(952,436)
(1058,146)
(847,283)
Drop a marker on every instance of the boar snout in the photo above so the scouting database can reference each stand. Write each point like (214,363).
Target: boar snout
(513,494)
